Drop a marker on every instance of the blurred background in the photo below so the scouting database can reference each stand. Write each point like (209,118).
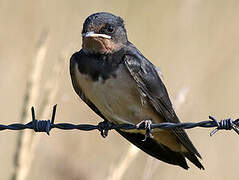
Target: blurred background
(193,42)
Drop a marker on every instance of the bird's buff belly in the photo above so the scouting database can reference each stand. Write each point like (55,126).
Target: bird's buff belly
(117,98)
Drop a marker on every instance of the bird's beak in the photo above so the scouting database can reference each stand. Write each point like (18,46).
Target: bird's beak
(92,34)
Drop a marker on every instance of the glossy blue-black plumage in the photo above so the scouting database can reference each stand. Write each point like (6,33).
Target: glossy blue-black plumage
(103,66)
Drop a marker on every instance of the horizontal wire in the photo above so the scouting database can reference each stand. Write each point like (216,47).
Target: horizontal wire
(104,127)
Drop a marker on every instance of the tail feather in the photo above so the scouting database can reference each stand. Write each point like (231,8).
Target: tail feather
(160,151)
(194,159)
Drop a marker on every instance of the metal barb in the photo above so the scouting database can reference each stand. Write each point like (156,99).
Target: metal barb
(53,114)
(33,113)
(42,125)
(104,128)
(226,124)
(216,129)
(235,128)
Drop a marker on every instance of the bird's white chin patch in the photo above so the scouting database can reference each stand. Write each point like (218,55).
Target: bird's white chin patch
(92,34)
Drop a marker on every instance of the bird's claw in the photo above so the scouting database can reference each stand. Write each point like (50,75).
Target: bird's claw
(104,128)
(146,124)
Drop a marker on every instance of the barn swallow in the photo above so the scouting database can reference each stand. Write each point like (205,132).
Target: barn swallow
(119,84)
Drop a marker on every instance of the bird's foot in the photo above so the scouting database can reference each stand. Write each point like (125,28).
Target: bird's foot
(104,128)
(146,124)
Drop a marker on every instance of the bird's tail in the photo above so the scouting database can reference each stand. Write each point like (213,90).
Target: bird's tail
(160,151)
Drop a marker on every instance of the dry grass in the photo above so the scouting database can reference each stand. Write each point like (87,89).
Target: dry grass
(195,44)
(24,153)
(27,140)
(117,170)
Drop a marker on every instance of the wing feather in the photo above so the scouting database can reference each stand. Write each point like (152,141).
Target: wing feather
(148,81)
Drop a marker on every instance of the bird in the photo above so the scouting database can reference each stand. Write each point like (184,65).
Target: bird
(122,86)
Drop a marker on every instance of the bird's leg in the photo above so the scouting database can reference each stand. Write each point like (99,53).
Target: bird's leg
(104,128)
(146,124)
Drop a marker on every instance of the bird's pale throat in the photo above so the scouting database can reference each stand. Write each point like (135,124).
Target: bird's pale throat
(99,45)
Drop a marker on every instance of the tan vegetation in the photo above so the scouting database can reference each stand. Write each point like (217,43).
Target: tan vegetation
(195,44)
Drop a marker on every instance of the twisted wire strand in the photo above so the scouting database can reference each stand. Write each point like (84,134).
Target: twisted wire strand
(104,127)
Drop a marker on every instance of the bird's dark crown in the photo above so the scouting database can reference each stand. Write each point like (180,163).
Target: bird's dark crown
(102,19)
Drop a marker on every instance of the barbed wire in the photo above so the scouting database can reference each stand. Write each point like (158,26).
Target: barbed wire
(105,126)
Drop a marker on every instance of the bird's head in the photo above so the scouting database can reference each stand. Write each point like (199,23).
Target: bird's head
(103,33)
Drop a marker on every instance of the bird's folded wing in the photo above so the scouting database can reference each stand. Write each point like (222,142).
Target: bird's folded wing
(152,87)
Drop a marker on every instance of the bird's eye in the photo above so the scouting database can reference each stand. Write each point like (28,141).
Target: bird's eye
(110,29)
